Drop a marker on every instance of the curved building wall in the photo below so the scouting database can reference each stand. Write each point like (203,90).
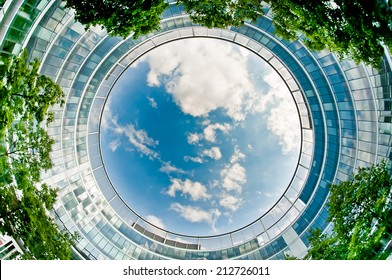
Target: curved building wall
(345,112)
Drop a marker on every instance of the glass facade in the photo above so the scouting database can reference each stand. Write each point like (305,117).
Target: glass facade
(345,112)
(9,249)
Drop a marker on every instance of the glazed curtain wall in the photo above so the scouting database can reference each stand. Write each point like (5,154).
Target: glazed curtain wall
(345,114)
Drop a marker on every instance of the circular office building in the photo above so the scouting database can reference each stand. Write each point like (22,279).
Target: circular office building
(196,143)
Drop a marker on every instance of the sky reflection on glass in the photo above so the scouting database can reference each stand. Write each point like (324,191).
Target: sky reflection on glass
(200,136)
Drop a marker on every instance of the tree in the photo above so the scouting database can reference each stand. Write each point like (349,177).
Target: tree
(222,13)
(355,29)
(29,146)
(25,94)
(25,146)
(25,218)
(360,210)
(120,17)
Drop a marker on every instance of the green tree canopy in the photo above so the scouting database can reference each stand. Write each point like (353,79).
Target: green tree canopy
(360,210)
(356,29)
(120,17)
(25,146)
(24,94)
(222,13)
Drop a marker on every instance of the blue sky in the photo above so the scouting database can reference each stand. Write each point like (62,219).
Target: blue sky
(200,136)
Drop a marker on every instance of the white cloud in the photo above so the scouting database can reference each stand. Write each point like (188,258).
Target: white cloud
(234,174)
(283,120)
(152,102)
(113,145)
(167,168)
(193,138)
(230,202)
(206,122)
(155,221)
(213,153)
(195,190)
(108,120)
(285,126)
(237,156)
(196,214)
(208,134)
(139,139)
(233,177)
(203,75)
(194,159)
(270,194)
(210,131)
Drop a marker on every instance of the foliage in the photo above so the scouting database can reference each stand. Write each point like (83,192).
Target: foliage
(361,211)
(120,17)
(26,218)
(24,93)
(25,147)
(354,29)
(222,13)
